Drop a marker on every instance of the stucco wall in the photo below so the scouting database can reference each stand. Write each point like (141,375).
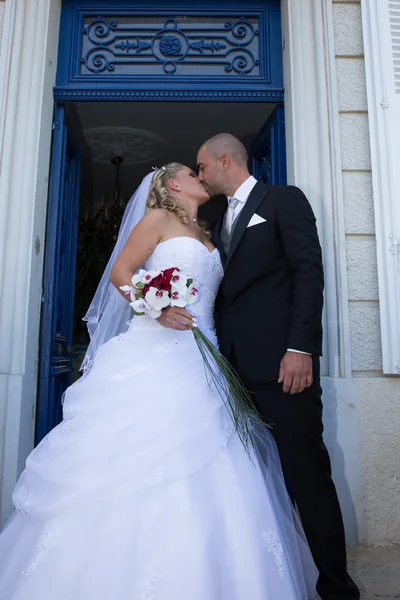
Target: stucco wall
(379,396)
(379,405)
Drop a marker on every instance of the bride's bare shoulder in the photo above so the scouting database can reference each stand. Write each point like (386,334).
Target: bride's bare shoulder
(157,216)
(154,219)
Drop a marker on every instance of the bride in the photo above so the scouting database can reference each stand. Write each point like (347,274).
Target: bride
(145,491)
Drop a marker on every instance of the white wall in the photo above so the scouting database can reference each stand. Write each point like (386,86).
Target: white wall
(378,396)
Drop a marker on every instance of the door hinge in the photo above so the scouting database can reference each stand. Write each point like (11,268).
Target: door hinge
(45,297)
(56,124)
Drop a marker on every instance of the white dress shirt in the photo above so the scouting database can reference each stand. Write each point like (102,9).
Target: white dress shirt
(242,194)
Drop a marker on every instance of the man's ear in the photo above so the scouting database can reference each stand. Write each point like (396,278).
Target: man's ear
(224,161)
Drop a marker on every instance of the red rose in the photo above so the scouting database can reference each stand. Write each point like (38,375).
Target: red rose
(168,272)
(161,282)
(166,280)
(156,282)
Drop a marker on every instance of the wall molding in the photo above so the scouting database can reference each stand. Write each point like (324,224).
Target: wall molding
(78,94)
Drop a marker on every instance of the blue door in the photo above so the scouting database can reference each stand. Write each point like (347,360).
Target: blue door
(59,276)
(268,150)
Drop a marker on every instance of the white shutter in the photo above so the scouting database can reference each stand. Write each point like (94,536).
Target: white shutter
(394,12)
(381,28)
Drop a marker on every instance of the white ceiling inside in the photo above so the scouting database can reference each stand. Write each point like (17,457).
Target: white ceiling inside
(183,125)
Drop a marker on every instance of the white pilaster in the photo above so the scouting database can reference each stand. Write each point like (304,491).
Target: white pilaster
(314,164)
(27,72)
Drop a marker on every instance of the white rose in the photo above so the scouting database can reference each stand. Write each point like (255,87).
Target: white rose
(192,293)
(144,277)
(178,281)
(178,297)
(127,289)
(157,299)
(140,307)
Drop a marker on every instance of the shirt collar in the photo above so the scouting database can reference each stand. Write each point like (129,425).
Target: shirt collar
(243,192)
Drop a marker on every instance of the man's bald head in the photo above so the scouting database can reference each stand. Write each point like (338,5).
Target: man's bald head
(222,163)
(226,143)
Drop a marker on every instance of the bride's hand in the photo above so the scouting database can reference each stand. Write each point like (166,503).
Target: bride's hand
(174,317)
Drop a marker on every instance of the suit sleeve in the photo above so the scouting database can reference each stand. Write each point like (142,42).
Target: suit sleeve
(298,231)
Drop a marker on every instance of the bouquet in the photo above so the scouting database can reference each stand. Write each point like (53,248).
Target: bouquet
(152,291)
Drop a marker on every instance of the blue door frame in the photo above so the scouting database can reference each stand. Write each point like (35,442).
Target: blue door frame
(268,150)
(59,276)
(261,80)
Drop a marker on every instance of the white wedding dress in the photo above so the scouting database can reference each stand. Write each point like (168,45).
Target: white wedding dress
(144,491)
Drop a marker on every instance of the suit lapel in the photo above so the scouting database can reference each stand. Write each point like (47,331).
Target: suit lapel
(257,194)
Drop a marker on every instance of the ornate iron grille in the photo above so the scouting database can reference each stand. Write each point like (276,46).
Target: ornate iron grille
(137,45)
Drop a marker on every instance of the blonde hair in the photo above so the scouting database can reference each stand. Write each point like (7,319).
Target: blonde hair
(160,195)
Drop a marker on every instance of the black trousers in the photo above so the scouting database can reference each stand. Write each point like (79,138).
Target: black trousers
(297,428)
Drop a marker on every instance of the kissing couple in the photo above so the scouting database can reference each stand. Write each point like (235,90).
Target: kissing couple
(145,490)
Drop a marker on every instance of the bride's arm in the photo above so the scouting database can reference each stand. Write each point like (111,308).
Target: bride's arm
(139,246)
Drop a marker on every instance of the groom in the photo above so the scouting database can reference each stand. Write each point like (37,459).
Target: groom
(269,326)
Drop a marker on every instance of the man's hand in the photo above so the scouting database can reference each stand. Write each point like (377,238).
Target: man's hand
(174,317)
(295,372)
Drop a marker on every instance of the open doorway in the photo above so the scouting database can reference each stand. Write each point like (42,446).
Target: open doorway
(146,134)
(116,145)
(120,142)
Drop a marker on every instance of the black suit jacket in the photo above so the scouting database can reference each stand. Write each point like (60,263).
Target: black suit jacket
(271,296)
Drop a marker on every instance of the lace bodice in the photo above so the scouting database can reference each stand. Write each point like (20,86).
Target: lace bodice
(195,260)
